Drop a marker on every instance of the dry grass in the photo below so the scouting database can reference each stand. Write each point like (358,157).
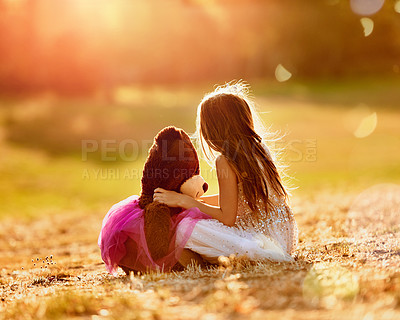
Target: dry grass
(347,263)
(337,275)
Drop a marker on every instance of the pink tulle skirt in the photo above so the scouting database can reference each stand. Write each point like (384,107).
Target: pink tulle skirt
(126,220)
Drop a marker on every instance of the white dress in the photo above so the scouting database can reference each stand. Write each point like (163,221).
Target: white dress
(273,237)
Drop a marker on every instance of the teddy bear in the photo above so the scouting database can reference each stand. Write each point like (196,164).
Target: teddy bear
(172,164)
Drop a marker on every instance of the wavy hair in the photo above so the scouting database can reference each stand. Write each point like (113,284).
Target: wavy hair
(226,124)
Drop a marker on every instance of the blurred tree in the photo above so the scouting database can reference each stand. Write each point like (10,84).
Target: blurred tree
(82,47)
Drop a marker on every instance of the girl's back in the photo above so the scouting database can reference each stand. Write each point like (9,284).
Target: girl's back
(251,215)
(276,222)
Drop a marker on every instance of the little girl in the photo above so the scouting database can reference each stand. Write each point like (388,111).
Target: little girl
(250,214)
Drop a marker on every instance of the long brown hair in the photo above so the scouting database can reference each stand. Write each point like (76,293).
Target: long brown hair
(225,124)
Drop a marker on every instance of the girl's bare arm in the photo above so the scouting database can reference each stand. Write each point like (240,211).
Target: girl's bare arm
(226,210)
(211,199)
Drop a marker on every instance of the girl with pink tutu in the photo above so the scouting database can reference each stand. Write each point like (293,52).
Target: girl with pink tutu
(123,241)
(249,217)
(138,233)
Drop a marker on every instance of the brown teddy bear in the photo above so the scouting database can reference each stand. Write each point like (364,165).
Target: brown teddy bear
(172,164)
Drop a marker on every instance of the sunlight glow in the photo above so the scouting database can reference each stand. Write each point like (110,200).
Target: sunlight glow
(368,25)
(282,74)
(108,14)
(366,126)
(215,11)
(366,7)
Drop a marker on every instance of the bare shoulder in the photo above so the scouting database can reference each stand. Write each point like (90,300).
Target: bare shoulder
(222,162)
(224,169)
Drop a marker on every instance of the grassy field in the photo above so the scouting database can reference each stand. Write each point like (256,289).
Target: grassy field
(340,142)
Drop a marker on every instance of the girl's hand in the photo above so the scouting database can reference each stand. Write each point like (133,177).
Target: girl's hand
(172,198)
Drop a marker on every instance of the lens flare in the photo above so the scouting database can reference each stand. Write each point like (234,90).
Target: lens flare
(366,7)
(366,126)
(282,74)
(330,283)
(368,25)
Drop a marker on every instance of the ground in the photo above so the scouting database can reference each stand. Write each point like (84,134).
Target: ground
(341,144)
(51,268)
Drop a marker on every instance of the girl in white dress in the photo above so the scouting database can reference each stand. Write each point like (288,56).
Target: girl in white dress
(250,215)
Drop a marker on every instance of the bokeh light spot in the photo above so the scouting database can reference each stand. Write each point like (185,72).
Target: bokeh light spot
(368,25)
(397,6)
(282,74)
(366,126)
(366,7)
(352,117)
(127,95)
(329,283)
